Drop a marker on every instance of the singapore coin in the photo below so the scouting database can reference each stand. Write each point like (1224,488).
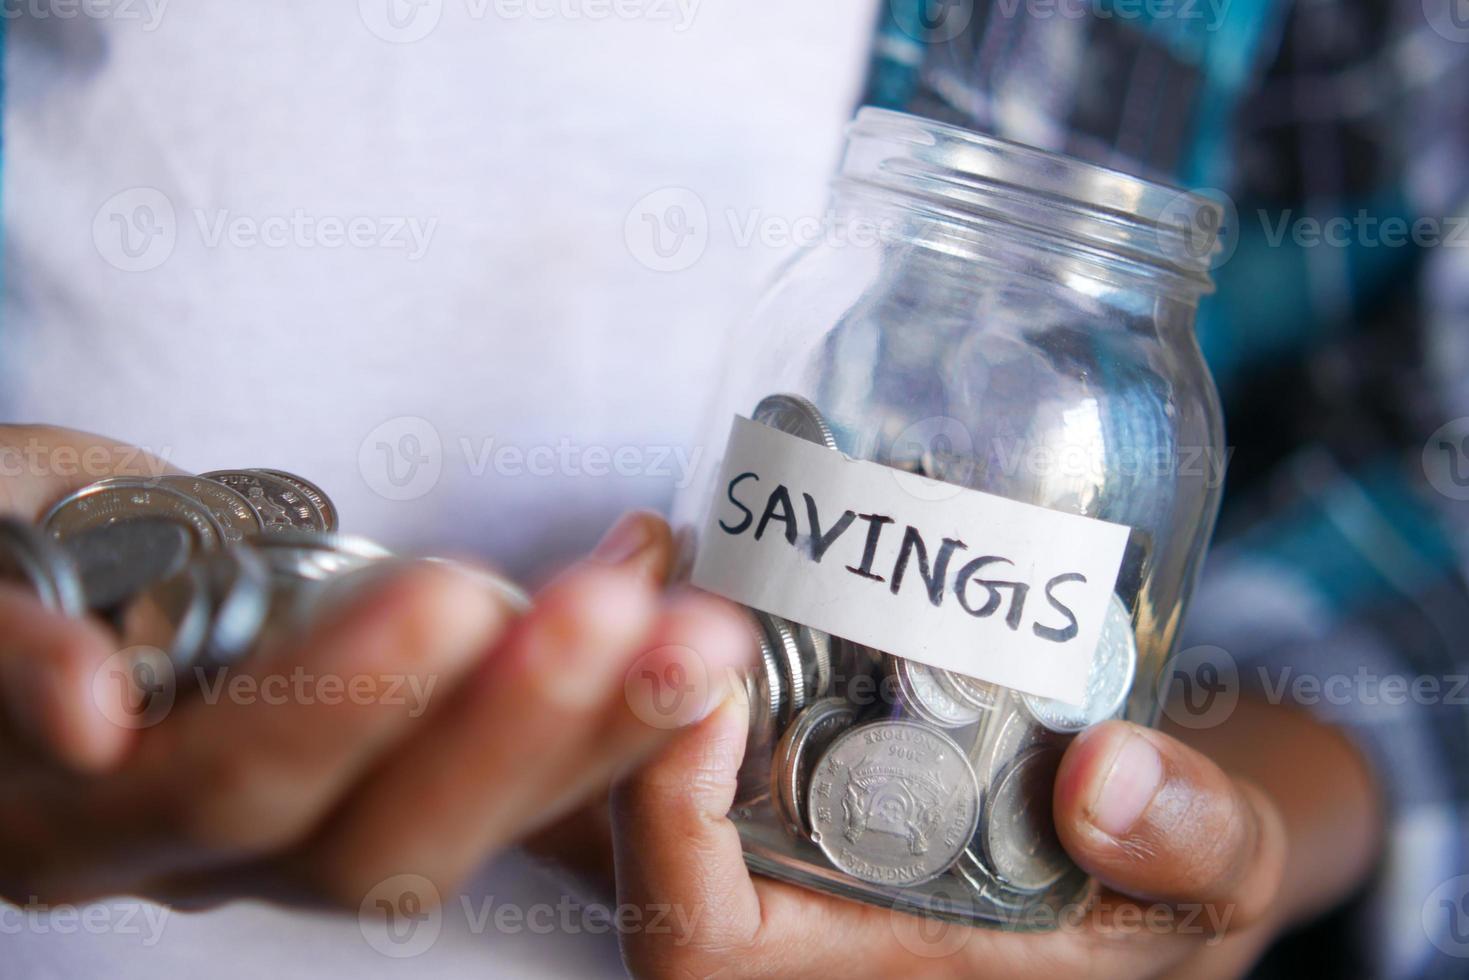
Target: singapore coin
(171,615)
(312,493)
(893,802)
(116,501)
(236,517)
(1019,836)
(797,416)
(1114,662)
(281,504)
(989,889)
(796,754)
(922,694)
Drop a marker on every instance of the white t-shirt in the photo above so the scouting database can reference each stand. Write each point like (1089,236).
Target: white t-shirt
(467,264)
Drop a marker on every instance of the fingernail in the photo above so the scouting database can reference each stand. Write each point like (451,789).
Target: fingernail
(1128,787)
(624,540)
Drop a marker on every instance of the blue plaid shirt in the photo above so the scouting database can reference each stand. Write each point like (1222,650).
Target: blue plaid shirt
(1338,130)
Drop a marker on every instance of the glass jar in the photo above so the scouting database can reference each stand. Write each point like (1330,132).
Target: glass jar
(971,458)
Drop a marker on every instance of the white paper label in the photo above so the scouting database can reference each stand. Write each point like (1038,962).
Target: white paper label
(968,581)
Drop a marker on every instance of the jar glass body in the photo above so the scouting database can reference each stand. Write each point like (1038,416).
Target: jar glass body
(963,335)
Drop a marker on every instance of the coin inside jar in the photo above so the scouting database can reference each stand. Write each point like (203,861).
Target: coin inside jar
(925,697)
(796,416)
(796,754)
(1114,662)
(1019,835)
(893,803)
(765,693)
(796,693)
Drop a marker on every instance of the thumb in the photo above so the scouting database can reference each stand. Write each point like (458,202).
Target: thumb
(1152,818)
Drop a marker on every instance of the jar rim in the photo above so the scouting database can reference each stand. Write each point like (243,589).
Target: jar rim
(1130,218)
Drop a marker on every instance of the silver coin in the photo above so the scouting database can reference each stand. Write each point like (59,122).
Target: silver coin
(926,697)
(1013,732)
(1114,662)
(893,803)
(30,559)
(124,500)
(117,561)
(816,654)
(795,756)
(237,519)
(782,635)
(986,886)
(312,493)
(976,693)
(765,694)
(797,416)
(1019,835)
(281,504)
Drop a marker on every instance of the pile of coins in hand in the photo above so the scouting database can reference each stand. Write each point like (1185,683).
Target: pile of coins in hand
(899,772)
(203,568)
